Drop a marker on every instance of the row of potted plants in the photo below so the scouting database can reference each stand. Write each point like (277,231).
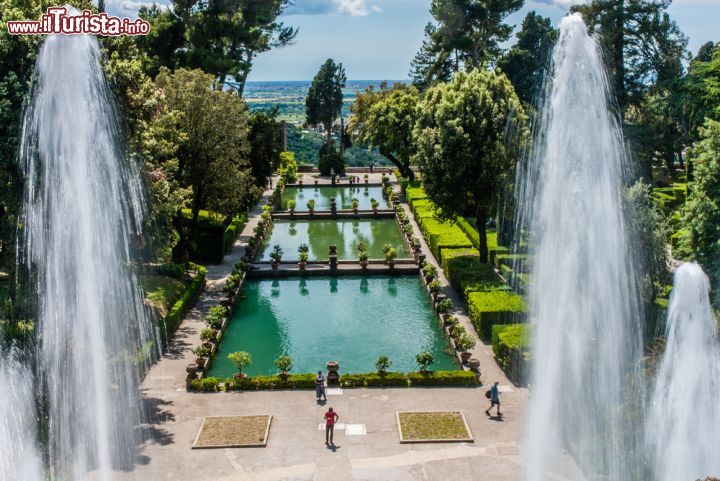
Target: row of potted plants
(355,204)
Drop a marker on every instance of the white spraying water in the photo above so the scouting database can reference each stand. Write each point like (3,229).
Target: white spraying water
(582,293)
(19,457)
(684,419)
(82,207)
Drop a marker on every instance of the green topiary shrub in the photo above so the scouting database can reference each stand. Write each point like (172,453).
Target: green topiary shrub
(510,345)
(232,232)
(467,273)
(260,383)
(494,307)
(206,384)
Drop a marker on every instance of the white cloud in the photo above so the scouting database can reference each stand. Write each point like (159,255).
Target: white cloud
(560,3)
(355,8)
(128,8)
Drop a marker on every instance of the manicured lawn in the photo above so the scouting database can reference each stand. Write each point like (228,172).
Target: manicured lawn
(233,431)
(433,426)
(161,291)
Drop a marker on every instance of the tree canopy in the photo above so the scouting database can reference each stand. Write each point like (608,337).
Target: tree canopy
(464,133)
(467,34)
(384,118)
(526,62)
(323,107)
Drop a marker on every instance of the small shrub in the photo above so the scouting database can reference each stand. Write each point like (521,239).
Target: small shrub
(207,384)
(391,254)
(424,360)
(311,204)
(284,364)
(382,364)
(465,342)
(240,360)
(201,351)
(445,305)
(355,203)
(434,286)
(374,204)
(291,205)
(277,253)
(207,334)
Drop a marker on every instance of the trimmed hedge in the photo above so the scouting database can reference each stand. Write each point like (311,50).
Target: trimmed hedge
(441,234)
(261,383)
(468,227)
(467,273)
(307,381)
(186,301)
(510,346)
(442,378)
(414,192)
(373,379)
(488,308)
(232,232)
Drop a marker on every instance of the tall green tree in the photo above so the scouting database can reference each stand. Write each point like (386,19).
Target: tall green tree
(265,145)
(526,62)
(211,126)
(700,94)
(220,37)
(701,219)
(644,46)
(323,106)
(467,34)
(384,118)
(462,134)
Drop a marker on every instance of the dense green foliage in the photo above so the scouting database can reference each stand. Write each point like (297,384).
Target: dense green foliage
(265,142)
(384,118)
(702,211)
(487,308)
(510,345)
(220,38)
(463,144)
(466,34)
(186,301)
(526,62)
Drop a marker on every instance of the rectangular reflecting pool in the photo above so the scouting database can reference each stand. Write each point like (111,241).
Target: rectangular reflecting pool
(343,197)
(345,234)
(352,320)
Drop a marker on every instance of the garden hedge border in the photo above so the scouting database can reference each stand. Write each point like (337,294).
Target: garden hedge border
(510,346)
(307,381)
(488,308)
(186,301)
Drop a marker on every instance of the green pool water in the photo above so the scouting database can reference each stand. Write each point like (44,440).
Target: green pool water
(345,234)
(352,320)
(343,197)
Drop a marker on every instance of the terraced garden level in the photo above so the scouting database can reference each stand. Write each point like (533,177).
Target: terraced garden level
(352,320)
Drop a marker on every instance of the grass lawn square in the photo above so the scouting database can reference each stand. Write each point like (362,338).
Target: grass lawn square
(233,432)
(433,427)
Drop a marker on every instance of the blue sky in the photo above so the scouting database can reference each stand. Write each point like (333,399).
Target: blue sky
(377,39)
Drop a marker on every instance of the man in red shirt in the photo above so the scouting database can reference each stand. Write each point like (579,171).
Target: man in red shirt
(331,418)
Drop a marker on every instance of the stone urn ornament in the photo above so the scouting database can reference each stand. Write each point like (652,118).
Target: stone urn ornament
(333,376)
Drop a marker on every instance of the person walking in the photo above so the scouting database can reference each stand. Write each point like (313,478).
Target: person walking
(494,399)
(320,387)
(331,417)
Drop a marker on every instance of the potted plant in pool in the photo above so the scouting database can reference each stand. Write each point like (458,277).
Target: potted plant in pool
(316,182)
(374,205)
(201,352)
(390,256)
(240,360)
(284,366)
(363,258)
(300,180)
(367,178)
(311,206)
(424,360)
(355,204)
(291,206)
(464,343)
(303,250)
(382,365)
(276,256)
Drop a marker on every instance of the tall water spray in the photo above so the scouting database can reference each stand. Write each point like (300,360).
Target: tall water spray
(684,419)
(82,206)
(19,456)
(582,293)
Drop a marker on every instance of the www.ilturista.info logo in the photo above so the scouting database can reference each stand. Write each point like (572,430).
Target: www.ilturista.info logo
(57,21)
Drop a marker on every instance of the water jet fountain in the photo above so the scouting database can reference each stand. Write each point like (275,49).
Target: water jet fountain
(582,295)
(684,419)
(83,203)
